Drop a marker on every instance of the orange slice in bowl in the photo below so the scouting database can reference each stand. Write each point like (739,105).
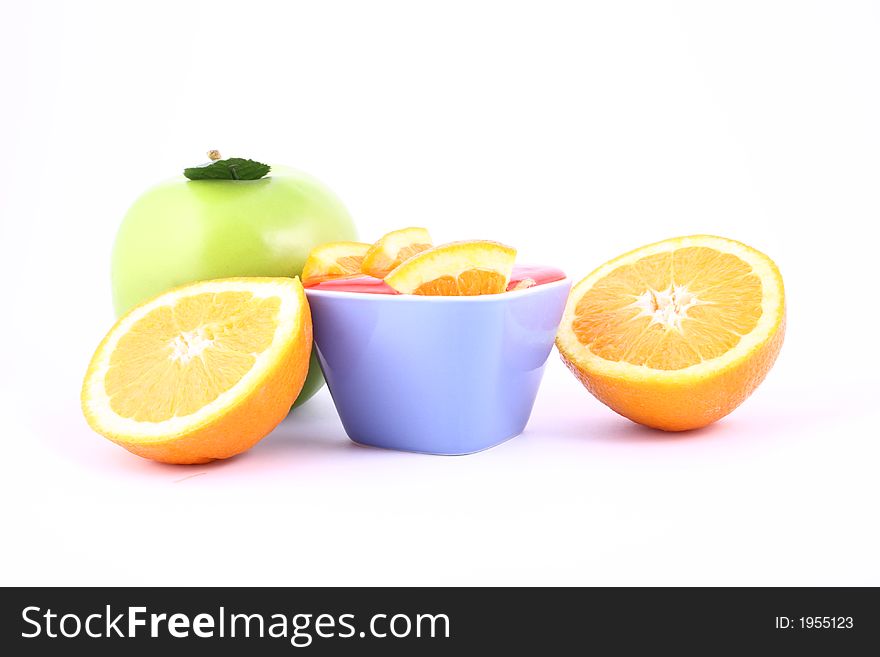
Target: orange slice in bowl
(524,284)
(333,260)
(456,269)
(201,372)
(677,334)
(394,248)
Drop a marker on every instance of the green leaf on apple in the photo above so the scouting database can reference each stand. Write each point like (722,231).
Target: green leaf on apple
(233,168)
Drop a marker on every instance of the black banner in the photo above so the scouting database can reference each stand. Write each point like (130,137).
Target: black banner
(433,621)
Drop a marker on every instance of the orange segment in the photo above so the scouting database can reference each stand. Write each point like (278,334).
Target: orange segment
(333,260)
(456,269)
(394,248)
(203,371)
(524,284)
(677,334)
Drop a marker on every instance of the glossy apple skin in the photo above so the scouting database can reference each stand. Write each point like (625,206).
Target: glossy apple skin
(182,231)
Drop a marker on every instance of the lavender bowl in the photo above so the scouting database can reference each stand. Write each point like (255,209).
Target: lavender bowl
(438,375)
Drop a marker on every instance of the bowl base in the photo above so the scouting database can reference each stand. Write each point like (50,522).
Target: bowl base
(436,453)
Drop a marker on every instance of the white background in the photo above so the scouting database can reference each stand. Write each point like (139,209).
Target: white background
(573,131)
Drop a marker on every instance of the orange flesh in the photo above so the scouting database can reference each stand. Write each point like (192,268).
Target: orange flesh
(471,282)
(670,310)
(524,284)
(382,264)
(408,252)
(179,358)
(350,264)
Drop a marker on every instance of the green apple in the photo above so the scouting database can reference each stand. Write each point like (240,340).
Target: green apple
(184,230)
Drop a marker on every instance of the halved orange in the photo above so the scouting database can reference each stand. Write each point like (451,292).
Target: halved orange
(201,372)
(333,260)
(456,269)
(394,248)
(677,334)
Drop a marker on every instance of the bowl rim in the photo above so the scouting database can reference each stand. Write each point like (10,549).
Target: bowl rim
(417,298)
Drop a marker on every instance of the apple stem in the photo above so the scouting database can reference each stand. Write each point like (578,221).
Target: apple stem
(215,155)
